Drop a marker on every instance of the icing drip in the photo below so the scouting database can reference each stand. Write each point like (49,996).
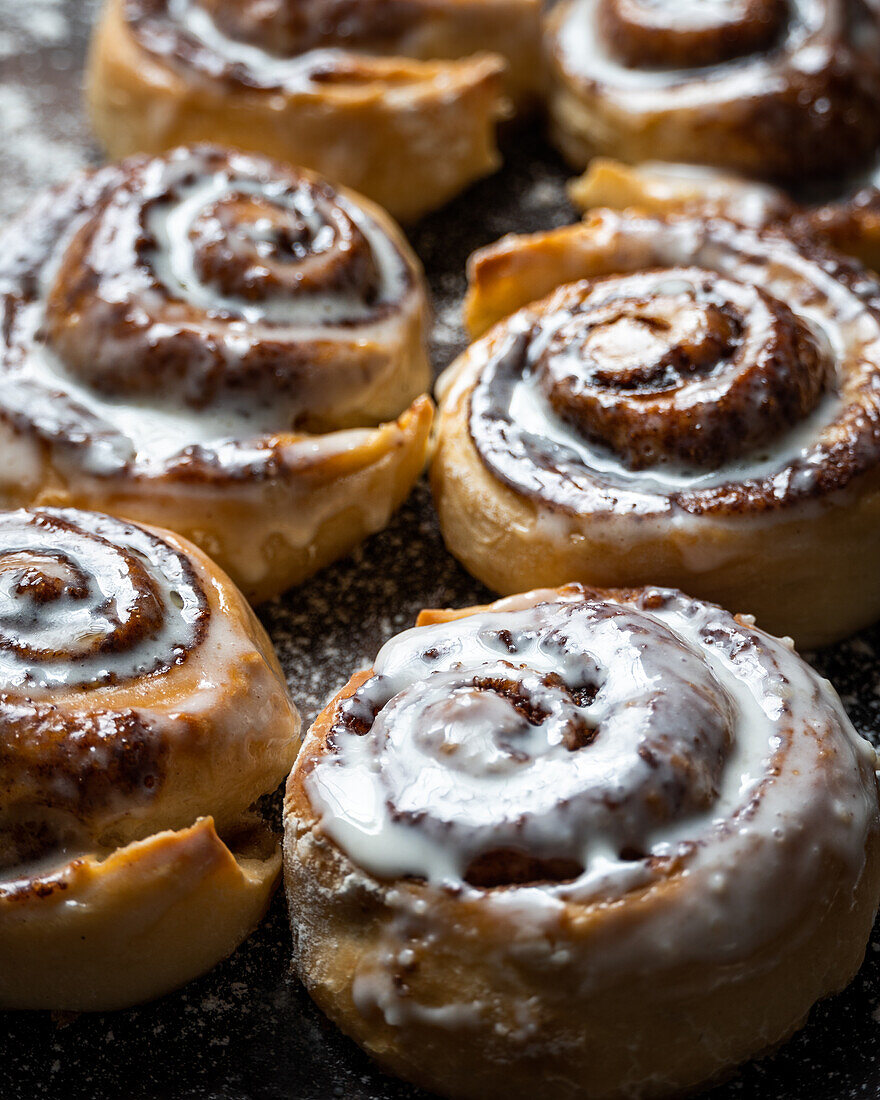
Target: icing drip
(200,300)
(738,371)
(579,750)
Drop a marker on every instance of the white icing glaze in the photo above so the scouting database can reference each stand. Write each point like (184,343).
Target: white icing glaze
(304,316)
(142,431)
(272,71)
(73,584)
(460,776)
(841,316)
(584,53)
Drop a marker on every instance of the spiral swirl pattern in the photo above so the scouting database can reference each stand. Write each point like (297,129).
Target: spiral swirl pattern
(586,742)
(279,46)
(87,604)
(529,733)
(739,370)
(216,344)
(563,818)
(86,600)
(222,282)
(117,669)
(775,88)
(398,99)
(142,714)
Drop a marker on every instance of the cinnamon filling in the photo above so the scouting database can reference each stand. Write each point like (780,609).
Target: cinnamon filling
(251,247)
(78,608)
(133,315)
(730,372)
(609,724)
(287,28)
(508,867)
(679,365)
(683,34)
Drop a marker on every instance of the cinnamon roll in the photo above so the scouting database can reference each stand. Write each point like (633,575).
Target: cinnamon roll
(142,713)
(541,847)
(398,100)
(852,223)
(778,89)
(206,341)
(699,406)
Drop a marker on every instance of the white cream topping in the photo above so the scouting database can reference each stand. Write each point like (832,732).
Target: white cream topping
(442,775)
(584,53)
(844,328)
(307,313)
(290,73)
(108,577)
(146,430)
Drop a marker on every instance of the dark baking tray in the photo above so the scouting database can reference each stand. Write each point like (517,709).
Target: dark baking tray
(247,1031)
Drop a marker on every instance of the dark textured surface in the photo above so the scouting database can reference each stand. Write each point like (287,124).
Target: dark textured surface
(247,1030)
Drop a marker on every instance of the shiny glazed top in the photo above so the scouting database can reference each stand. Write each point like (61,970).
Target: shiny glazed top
(184,314)
(578,747)
(722,370)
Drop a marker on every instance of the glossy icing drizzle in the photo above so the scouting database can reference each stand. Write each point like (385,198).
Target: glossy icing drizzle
(289,47)
(791,80)
(185,310)
(733,369)
(86,600)
(566,748)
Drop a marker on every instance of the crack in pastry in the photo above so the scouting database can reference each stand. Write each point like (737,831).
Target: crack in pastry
(143,713)
(399,100)
(698,405)
(776,89)
(206,340)
(476,894)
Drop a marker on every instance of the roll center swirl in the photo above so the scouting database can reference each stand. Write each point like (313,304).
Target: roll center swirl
(78,610)
(678,365)
(197,272)
(528,742)
(682,34)
(249,246)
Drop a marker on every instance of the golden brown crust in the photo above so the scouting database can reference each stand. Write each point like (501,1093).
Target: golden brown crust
(851,225)
(259,316)
(134,739)
(768,88)
(474,1006)
(555,497)
(409,127)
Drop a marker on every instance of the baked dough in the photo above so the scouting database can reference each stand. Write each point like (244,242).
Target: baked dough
(776,89)
(849,224)
(696,407)
(143,712)
(399,100)
(213,343)
(557,847)
(657,187)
